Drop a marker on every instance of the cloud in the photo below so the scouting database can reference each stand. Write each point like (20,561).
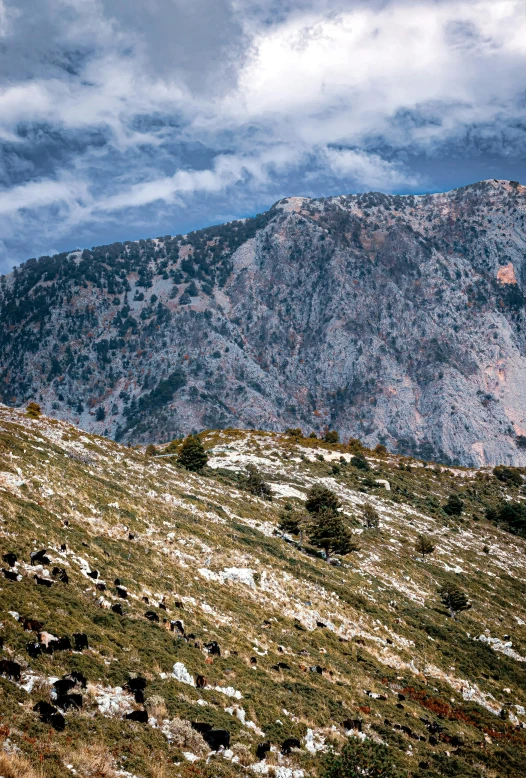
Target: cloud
(350,74)
(369,170)
(200,43)
(120,115)
(39,194)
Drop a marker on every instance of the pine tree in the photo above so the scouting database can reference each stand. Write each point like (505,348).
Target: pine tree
(454,505)
(424,545)
(256,484)
(100,413)
(454,599)
(33,410)
(192,454)
(360,462)
(320,498)
(370,516)
(151,450)
(508,475)
(293,521)
(289,520)
(327,531)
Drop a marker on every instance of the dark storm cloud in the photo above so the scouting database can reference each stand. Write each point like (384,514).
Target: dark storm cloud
(199,43)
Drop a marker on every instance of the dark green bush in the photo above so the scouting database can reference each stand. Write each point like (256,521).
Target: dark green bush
(508,475)
(361,760)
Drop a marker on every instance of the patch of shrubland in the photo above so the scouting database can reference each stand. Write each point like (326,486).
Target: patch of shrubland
(368,638)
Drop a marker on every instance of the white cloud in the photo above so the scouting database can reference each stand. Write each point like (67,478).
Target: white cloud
(120,110)
(369,170)
(347,76)
(39,194)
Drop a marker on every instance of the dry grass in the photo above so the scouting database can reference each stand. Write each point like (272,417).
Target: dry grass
(244,753)
(13,766)
(161,770)
(157,707)
(91,761)
(183,736)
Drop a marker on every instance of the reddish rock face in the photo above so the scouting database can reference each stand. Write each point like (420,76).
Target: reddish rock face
(506,274)
(394,319)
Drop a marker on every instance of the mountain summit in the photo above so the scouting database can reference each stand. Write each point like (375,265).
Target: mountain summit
(395,319)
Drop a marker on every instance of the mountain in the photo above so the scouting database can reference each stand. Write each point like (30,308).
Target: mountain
(226,622)
(397,320)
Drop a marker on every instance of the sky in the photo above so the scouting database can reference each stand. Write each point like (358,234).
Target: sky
(126,119)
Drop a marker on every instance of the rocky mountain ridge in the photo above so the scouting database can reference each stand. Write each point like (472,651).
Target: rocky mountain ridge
(394,319)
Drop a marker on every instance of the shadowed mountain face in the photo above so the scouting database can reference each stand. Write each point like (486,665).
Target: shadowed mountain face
(394,319)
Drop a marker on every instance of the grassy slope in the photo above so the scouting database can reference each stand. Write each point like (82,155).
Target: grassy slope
(386,630)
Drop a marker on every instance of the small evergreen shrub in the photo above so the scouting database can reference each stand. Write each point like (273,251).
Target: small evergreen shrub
(454,505)
(361,760)
(33,410)
(360,462)
(256,484)
(508,475)
(424,546)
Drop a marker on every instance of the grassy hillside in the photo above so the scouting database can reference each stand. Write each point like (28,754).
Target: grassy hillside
(363,648)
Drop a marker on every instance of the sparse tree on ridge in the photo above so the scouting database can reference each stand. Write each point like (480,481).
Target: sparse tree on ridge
(371,516)
(454,599)
(192,454)
(424,546)
(355,446)
(256,484)
(454,505)
(33,410)
(326,529)
(294,432)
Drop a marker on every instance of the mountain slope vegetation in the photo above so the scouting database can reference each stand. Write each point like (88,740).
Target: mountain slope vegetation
(184,602)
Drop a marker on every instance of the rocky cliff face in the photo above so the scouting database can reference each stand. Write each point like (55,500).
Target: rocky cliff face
(394,319)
